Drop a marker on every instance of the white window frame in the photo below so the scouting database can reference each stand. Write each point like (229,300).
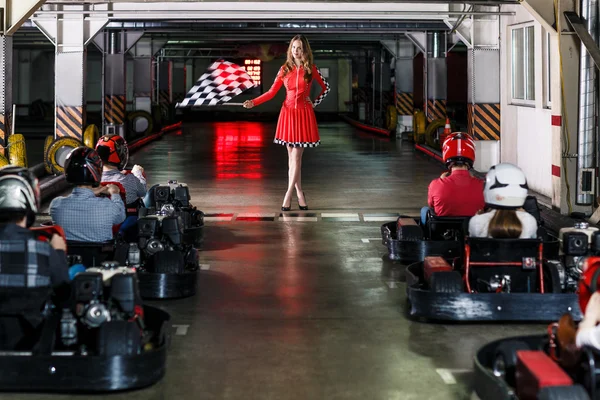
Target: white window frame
(547,62)
(524,67)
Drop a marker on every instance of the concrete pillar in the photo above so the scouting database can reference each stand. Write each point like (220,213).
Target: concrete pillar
(115,87)
(179,78)
(142,83)
(70,34)
(164,85)
(6,81)
(436,76)
(483,109)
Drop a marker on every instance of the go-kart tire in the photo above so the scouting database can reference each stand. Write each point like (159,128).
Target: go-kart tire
(58,151)
(168,286)
(168,262)
(505,359)
(119,338)
(47,143)
(17,152)
(134,116)
(91,136)
(551,278)
(574,392)
(446,282)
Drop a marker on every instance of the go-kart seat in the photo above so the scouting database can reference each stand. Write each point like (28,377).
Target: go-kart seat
(92,254)
(522,259)
(446,228)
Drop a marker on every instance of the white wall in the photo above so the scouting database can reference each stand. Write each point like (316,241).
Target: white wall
(526,131)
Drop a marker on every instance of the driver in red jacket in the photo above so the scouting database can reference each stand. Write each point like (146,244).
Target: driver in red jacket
(456,193)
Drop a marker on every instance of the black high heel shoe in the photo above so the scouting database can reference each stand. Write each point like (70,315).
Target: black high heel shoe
(286,208)
(303,208)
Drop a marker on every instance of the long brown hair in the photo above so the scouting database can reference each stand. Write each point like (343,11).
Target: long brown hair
(307,58)
(505,225)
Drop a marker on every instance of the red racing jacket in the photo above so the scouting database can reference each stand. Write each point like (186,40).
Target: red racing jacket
(298,90)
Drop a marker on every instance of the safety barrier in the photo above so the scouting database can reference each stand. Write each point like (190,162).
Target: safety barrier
(483,121)
(436,109)
(404,103)
(69,121)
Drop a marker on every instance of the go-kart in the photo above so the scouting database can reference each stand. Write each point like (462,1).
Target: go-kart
(169,231)
(547,366)
(409,241)
(496,279)
(97,338)
(161,244)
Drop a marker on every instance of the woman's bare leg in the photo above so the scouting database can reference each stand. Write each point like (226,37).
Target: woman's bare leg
(298,185)
(294,164)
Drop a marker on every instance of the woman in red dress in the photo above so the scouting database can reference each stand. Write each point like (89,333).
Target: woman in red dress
(297,125)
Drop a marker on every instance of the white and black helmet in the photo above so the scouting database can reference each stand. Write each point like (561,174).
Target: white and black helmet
(19,192)
(505,187)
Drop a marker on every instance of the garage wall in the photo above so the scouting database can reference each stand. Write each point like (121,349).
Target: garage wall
(526,130)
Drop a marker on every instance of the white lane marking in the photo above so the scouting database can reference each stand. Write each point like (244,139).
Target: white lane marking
(204,267)
(353,216)
(218,218)
(375,218)
(181,330)
(255,215)
(447,374)
(392,284)
(286,218)
(368,240)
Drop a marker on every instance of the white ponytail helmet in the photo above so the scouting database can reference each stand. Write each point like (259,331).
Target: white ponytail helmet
(505,186)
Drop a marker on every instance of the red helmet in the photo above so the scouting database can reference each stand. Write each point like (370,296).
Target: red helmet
(113,150)
(458,147)
(589,282)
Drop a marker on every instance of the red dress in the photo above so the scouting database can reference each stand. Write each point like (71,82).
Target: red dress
(297,125)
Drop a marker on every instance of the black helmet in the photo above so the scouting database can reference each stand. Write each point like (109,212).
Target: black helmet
(19,192)
(83,166)
(113,150)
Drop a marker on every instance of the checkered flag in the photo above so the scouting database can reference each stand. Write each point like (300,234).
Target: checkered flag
(220,83)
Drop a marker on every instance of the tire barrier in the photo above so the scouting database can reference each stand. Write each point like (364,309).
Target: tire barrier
(140,123)
(47,143)
(391,118)
(483,121)
(57,153)
(431,137)
(17,152)
(3,161)
(419,126)
(91,136)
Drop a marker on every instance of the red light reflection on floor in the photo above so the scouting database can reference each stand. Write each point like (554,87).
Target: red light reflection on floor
(237,150)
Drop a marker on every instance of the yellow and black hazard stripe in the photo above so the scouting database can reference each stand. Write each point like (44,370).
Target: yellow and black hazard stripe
(404,103)
(4,132)
(178,97)
(114,109)
(436,109)
(164,100)
(484,121)
(69,122)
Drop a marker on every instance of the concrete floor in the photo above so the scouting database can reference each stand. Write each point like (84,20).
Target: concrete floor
(309,307)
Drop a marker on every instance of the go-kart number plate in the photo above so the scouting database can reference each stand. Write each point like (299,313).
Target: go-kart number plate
(529,263)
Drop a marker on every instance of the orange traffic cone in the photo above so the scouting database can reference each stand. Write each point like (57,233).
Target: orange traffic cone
(447,131)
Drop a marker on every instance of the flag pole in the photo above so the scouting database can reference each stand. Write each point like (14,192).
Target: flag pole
(178,105)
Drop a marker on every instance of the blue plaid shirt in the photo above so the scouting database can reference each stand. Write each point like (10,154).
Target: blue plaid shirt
(28,262)
(134,188)
(85,217)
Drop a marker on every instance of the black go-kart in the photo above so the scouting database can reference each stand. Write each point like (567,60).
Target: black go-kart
(495,280)
(161,245)
(409,241)
(97,338)
(545,367)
